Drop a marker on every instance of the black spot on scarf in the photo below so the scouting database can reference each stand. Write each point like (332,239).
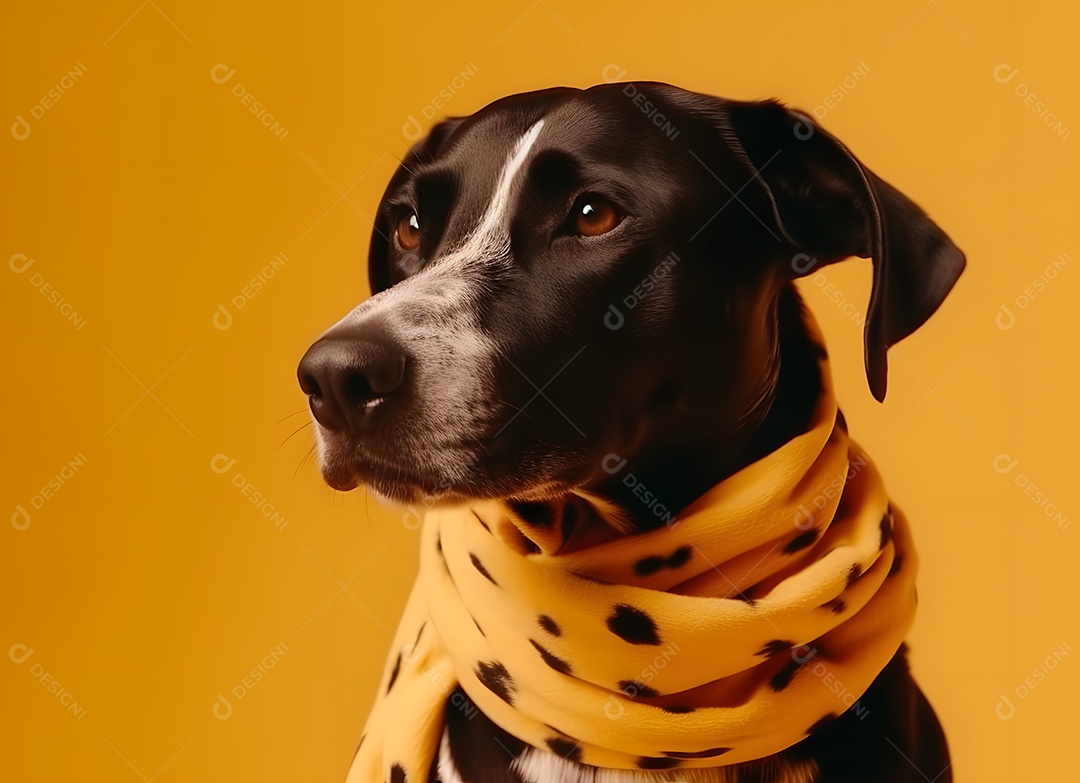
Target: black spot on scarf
(565,748)
(650,565)
(632,625)
(496,679)
(556,663)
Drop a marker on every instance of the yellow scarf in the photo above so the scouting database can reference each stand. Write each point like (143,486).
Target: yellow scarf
(763,610)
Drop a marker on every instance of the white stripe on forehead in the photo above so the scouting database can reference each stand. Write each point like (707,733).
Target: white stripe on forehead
(488,242)
(491,238)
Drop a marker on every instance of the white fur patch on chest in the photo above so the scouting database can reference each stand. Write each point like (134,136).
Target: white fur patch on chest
(541,766)
(447,771)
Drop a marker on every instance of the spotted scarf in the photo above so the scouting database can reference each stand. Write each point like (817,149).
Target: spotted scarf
(758,614)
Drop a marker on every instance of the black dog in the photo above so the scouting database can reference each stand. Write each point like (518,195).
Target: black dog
(504,250)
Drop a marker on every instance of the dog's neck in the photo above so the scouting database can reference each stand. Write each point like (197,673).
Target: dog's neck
(654,486)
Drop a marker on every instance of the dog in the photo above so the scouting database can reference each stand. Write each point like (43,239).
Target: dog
(568,275)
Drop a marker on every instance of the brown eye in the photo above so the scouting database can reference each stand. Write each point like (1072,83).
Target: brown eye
(408,232)
(594,216)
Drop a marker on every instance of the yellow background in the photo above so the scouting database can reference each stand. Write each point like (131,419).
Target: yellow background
(149,195)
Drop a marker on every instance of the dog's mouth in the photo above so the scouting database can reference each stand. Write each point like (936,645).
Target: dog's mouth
(395,487)
(448,473)
(346,469)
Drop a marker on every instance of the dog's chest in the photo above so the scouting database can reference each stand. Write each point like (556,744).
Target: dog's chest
(540,766)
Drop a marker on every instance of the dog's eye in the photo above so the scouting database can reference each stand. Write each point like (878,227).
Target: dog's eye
(595,215)
(408,232)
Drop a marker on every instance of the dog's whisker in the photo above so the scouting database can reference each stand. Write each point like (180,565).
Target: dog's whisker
(300,412)
(295,432)
(303,460)
(400,161)
(520,410)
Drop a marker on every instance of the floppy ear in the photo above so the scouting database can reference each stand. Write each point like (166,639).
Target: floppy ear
(424,151)
(830,206)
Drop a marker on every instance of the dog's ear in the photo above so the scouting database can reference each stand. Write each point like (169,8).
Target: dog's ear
(829,206)
(424,151)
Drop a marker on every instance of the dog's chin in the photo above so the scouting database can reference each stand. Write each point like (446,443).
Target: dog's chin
(393,489)
(339,477)
(399,494)
(397,497)
(345,478)
(449,475)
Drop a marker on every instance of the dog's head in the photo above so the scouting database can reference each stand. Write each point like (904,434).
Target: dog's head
(569,274)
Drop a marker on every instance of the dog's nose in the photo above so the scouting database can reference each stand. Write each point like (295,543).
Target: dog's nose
(346,375)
